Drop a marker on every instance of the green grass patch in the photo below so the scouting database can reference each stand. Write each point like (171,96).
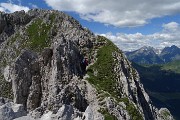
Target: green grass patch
(38,35)
(104,79)
(173,66)
(135,115)
(166,114)
(107,115)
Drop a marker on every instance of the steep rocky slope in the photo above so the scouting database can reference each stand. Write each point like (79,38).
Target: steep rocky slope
(40,62)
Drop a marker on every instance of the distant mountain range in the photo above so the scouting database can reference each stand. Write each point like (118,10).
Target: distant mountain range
(150,55)
(159,72)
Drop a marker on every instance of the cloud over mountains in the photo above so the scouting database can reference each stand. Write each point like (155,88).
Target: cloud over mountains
(170,35)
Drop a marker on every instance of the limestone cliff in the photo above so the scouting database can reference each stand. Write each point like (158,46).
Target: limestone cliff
(41,57)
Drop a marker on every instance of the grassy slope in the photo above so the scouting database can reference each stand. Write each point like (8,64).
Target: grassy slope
(38,35)
(173,66)
(104,79)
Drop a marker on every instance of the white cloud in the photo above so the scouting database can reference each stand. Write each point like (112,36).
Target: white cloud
(121,13)
(172,26)
(158,40)
(10,7)
(2,9)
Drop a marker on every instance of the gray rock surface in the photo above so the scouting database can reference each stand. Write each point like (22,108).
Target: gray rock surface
(9,110)
(41,55)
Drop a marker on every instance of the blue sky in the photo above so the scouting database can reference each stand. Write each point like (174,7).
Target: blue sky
(130,24)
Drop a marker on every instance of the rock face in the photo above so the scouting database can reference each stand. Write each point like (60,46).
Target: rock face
(9,23)
(9,110)
(42,59)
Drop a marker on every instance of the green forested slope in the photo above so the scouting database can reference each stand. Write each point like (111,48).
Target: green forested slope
(162,84)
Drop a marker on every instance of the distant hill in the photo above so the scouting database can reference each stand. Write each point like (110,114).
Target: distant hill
(148,55)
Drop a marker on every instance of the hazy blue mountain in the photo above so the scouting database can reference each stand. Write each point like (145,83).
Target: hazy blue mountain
(169,54)
(144,55)
(149,55)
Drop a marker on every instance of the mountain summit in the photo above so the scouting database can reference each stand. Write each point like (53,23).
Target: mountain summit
(144,55)
(41,73)
(169,54)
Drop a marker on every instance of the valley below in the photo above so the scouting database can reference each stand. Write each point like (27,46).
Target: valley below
(162,84)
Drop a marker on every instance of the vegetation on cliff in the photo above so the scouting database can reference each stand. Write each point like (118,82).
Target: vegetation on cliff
(102,75)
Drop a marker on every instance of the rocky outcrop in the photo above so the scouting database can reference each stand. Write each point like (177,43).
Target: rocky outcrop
(9,110)
(130,86)
(43,62)
(9,23)
(164,114)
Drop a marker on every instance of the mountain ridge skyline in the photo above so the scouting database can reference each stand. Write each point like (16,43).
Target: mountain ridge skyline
(149,46)
(129,27)
(150,55)
(41,70)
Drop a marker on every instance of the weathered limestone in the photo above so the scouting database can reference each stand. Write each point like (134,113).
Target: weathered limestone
(49,82)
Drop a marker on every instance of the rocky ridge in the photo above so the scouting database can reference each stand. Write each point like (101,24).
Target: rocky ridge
(40,62)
